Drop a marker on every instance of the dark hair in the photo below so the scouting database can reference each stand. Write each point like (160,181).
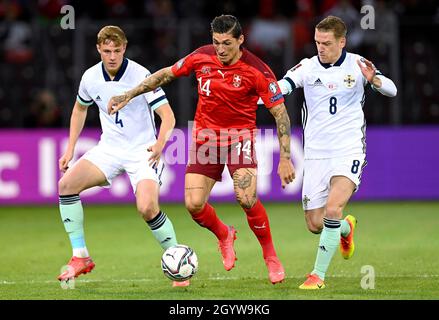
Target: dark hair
(226,24)
(334,24)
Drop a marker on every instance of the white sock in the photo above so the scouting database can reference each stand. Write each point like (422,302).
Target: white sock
(80,252)
(345,228)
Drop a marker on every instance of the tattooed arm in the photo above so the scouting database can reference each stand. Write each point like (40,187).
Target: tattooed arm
(157,79)
(283,125)
(286,168)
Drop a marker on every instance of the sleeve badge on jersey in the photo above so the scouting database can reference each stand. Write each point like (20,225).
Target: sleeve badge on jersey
(273,87)
(276,97)
(297,66)
(180,63)
(237,80)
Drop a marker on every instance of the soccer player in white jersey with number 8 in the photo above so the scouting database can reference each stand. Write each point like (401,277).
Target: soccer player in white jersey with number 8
(128,144)
(334,138)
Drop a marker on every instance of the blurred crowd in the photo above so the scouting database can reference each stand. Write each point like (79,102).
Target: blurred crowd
(34,50)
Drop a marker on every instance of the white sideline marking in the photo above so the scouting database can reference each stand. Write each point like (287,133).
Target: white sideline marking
(217,278)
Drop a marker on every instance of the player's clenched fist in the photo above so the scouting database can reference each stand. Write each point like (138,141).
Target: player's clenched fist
(156,152)
(286,171)
(63,162)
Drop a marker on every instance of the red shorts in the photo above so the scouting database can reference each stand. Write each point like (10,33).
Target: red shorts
(210,160)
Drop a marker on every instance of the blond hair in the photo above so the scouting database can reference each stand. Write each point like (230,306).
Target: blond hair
(112,33)
(334,24)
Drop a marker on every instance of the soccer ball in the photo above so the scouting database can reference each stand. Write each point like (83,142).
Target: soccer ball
(179,263)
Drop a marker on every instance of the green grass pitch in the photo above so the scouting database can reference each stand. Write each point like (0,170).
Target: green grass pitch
(398,240)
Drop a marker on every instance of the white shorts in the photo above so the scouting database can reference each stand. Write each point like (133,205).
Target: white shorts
(113,162)
(318,173)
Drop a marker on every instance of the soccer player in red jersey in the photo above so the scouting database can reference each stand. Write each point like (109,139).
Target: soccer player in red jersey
(230,81)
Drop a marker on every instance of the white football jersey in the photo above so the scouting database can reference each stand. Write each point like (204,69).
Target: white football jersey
(332,114)
(133,126)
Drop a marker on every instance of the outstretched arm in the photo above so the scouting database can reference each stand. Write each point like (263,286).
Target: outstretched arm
(286,169)
(379,82)
(157,79)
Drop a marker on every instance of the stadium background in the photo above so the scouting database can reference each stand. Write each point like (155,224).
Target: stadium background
(41,65)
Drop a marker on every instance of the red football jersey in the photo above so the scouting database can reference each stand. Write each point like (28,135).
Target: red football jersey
(228,94)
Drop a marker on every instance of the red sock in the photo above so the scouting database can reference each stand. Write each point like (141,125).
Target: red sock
(258,221)
(207,218)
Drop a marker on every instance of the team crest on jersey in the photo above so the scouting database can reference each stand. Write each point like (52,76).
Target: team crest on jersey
(237,80)
(349,81)
(273,87)
(205,70)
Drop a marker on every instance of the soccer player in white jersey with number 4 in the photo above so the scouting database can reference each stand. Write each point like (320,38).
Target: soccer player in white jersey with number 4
(334,138)
(128,144)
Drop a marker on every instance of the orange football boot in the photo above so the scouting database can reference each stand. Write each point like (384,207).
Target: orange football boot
(76,267)
(313,282)
(347,245)
(227,250)
(276,271)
